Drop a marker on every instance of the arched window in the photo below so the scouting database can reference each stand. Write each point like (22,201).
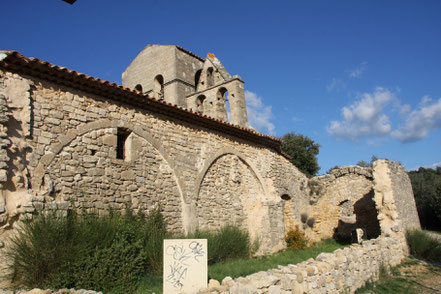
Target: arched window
(200,104)
(138,88)
(222,112)
(197,77)
(158,90)
(222,93)
(210,77)
(121,139)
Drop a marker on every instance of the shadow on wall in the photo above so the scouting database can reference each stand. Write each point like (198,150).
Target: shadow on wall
(362,215)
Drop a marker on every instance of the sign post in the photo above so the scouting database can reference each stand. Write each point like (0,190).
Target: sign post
(185,265)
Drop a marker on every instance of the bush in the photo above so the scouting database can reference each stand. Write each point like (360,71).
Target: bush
(296,239)
(424,246)
(230,242)
(101,253)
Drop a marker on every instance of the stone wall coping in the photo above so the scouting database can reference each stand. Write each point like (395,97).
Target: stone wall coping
(13,61)
(345,170)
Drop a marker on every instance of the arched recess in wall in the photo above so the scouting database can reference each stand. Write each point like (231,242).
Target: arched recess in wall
(210,77)
(215,156)
(230,192)
(138,87)
(222,109)
(197,78)
(158,87)
(65,140)
(200,103)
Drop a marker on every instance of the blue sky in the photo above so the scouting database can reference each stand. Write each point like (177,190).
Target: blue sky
(361,78)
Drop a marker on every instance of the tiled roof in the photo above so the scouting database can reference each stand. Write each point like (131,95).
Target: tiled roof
(15,62)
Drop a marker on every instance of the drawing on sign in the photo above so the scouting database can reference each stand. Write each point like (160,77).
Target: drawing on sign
(179,267)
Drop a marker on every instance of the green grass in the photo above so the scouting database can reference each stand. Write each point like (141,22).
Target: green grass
(424,246)
(393,281)
(389,285)
(242,267)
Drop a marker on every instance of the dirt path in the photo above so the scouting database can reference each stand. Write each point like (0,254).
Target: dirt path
(426,277)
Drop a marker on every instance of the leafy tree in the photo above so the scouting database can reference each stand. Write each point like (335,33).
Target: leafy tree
(303,152)
(426,185)
(363,163)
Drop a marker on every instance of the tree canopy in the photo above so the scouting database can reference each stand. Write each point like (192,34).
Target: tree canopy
(303,152)
(426,185)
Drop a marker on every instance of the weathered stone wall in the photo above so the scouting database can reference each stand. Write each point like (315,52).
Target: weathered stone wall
(342,271)
(394,198)
(66,157)
(403,195)
(343,201)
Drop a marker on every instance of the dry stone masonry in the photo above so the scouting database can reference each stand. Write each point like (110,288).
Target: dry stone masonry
(73,142)
(343,271)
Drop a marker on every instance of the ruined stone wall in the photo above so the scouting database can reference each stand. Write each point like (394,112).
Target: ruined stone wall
(66,156)
(343,201)
(394,198)
(343,271)
(403,195)
(378,200)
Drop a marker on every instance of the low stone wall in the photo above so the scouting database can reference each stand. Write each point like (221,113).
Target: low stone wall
(344,270)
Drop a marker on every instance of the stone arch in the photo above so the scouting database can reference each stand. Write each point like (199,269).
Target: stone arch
(231,193)
(65,140)
(214,157)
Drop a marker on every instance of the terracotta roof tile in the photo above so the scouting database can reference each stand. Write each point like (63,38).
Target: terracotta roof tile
(15,62)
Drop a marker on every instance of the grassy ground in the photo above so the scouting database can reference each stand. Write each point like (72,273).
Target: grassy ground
(411,277)
(243,267)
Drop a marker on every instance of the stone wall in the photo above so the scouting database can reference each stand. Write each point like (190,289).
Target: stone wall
(343,201)
(403,195)
(64,155)
(342,271)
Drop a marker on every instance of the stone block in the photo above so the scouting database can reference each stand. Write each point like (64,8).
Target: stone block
(3,175)
(128,175)
(110,140)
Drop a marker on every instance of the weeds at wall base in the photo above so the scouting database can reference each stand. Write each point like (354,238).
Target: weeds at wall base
(108,253)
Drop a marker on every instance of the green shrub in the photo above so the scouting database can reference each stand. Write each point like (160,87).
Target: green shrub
(107,253)
(296,239)
(229,242)
(422,245)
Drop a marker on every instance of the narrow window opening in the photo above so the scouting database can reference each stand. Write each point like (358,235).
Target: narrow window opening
(197,77)
(138,88)
(200,104)
(210,77)
(122,135)
(159,87)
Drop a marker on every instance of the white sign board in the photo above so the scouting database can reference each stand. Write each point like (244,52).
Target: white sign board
(185,265)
